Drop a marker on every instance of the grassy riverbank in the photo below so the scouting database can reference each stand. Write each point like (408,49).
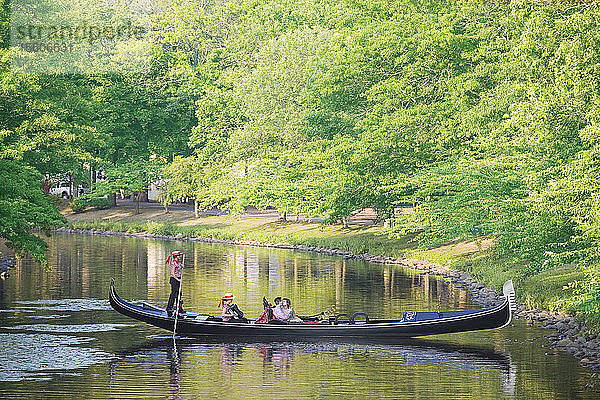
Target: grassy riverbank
(258,228)
(545,290)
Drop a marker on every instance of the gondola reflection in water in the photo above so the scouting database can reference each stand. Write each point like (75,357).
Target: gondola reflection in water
(410,324)
(281,362)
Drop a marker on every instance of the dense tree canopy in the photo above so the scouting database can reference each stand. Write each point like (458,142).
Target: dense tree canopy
(481,115)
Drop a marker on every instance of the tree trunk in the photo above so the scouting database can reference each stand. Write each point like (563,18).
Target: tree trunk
(71,186)
(283,216)
(196,208)
(138,196)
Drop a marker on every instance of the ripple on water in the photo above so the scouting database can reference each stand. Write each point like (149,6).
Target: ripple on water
(78,328)
(20,310)
(65,305)
(51,316)
(42,356)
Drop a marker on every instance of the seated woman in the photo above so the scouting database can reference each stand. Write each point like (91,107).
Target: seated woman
(229,310)
(285,312)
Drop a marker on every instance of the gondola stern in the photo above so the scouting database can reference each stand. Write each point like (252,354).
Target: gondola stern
(160,319)
(117,303)
(112,293)
(113,297)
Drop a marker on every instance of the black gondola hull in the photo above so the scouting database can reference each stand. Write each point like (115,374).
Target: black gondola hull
(411,325)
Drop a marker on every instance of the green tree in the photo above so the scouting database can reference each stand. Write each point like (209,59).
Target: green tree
(132,177)
(23,208)
(138,119)
(184,177)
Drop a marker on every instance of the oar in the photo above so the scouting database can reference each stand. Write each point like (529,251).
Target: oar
(179,296)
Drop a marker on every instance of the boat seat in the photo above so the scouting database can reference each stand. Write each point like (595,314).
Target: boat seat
(277,322)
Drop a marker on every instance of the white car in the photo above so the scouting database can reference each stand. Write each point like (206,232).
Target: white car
(62,189)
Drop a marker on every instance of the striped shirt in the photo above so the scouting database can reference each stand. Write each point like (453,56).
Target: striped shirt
(176,268)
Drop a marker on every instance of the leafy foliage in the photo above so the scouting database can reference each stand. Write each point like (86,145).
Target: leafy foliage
(473,118)
(481,115)
(23,207)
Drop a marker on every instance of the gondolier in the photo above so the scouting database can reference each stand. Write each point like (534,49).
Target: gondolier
(176,268)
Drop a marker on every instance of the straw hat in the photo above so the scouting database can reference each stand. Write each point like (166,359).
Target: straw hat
(226,296)
(173,254)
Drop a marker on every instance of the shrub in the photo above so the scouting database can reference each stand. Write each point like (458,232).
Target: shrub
(154,228)
(81,203)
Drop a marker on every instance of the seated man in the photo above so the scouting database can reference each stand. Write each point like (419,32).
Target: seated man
(277,302)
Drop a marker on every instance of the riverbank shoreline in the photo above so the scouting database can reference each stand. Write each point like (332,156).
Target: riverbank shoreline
(571,335)
(479,292)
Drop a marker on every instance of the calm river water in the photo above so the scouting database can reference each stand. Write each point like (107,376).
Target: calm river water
(60,339)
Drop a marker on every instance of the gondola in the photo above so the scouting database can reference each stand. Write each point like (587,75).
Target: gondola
(410,324)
